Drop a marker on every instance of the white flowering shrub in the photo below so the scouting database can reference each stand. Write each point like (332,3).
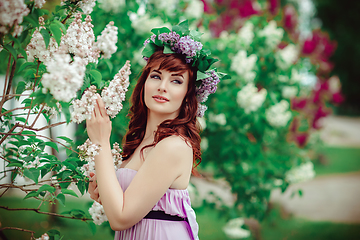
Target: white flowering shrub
(55,69)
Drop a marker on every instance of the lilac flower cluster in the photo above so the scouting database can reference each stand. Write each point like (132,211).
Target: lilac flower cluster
(207,87)
(184,45)
(89,150)
(84,107)
(188,46)
(172,38)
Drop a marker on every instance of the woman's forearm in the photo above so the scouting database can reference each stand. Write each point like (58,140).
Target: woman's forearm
(109,188)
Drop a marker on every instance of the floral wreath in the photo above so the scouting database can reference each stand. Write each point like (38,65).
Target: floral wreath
(184,41)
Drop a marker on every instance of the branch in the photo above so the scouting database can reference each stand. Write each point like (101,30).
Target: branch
(46,213)
(19,229)
(27,118)
(5,83)
(11,110)
(43,128)
(8,133)
(37,117)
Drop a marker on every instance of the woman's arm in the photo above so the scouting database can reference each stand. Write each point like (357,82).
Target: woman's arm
(168,160)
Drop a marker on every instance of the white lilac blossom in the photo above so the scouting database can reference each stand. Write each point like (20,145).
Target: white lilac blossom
(106,42)
(111,5)
(39,3)
(52,111)
(289,91)
(272,34)
(202,123)
(86,6)
(12,13)
(37,48)
(218,118)
(83,108)
(115,93)
(250,98)
(64,78)
(88,151)
(201,110)
(97,213)
(246,34)
(80,39)
(296,76)
(244,66)
(195,9)
(278,115)
(301,173)
(168,6)
(143,24)
(233,229)
(204,144)
(208,86)
(45,236)
(286,57)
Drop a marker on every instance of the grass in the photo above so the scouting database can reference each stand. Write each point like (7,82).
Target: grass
(338,160)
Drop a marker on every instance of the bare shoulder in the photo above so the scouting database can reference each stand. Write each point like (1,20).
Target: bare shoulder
(175,144)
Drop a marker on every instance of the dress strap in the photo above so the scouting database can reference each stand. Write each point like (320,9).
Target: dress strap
(161,215)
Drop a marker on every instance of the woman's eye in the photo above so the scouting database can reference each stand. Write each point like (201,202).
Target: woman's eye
(177,81)
(155,76)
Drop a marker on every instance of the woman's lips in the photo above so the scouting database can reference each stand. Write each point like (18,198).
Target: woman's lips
(160,99)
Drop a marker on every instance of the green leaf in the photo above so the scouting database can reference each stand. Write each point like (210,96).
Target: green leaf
(11,50)
(47,188)
(77,213)
(61,198)
(149,50)
(167,50)
(65,174)
(53,145)
(31,19)
(46,36)
(68,140)
(81,186)
(55,30)
(195,35)
(15,164)
(96,76)
(22,52)
(92,227)
(33,174)
(201,75)
(65,110)
(31,194)
(182,28)
(60,25)
(300,192)
(69,165)
(20,87)
(158,31)
(26,65)
(70,192)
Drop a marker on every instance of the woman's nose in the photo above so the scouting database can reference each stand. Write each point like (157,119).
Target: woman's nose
(162,86)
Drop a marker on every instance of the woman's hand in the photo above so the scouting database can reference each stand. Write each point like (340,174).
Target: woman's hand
(93,189)
(99,126)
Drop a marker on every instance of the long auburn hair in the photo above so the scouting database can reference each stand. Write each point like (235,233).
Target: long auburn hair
(184,125)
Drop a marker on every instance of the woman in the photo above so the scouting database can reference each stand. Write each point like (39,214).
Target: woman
(147,197)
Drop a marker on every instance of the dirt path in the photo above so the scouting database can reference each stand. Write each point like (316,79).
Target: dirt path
(334,198)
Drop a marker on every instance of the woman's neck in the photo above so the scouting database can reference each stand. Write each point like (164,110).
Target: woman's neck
(153,121)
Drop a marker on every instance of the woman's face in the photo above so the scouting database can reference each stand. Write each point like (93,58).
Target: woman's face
(164,91)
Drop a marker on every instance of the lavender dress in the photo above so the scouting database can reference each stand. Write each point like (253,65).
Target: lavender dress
(174,202)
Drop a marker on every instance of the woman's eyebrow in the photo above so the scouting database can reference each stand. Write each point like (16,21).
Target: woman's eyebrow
(177,74)
(157,71)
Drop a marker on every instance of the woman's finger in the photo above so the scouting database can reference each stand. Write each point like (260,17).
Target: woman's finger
(97,110)
(99,200)
(101,105)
